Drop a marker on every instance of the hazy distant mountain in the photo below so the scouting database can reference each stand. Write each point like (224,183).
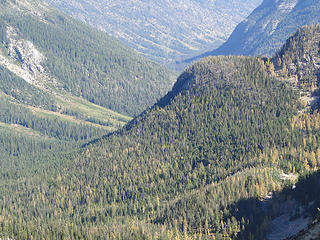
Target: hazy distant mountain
(268,27)
(163,30)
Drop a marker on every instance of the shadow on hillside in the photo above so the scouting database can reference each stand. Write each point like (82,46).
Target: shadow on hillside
(282,215)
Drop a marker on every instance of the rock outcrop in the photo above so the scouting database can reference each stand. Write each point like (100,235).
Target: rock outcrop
(24,52)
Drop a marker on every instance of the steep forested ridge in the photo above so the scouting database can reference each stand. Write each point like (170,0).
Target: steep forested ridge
(85,62)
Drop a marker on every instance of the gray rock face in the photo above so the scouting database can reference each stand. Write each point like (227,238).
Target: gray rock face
(24,52)
(268,27)
(27,54)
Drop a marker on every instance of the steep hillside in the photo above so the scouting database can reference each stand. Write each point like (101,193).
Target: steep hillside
(42,110)
(64,57)
(59,80)
(269,26)
(306,193)
(206,131)
(164,30)
(229,153)
(298,64)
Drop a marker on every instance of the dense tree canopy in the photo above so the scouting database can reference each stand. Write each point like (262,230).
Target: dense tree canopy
(197,165)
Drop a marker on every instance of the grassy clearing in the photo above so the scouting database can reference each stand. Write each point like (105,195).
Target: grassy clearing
(80,109)
(21,130)
(55,115)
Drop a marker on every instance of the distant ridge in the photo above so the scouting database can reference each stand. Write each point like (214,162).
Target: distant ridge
(165,31)
(268,27)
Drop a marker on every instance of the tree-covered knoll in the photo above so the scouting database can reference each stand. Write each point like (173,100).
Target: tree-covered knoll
(228,112)
(224,115)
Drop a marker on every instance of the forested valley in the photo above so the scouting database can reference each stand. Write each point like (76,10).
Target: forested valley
(231,148)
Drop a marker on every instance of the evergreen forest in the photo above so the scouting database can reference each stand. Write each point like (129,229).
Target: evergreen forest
(231,148)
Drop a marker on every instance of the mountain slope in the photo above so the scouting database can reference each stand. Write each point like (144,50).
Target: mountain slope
(269,26)
(67,57)
(59,80)
(204,131)
(40,113)
(164,30)
(230,152)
